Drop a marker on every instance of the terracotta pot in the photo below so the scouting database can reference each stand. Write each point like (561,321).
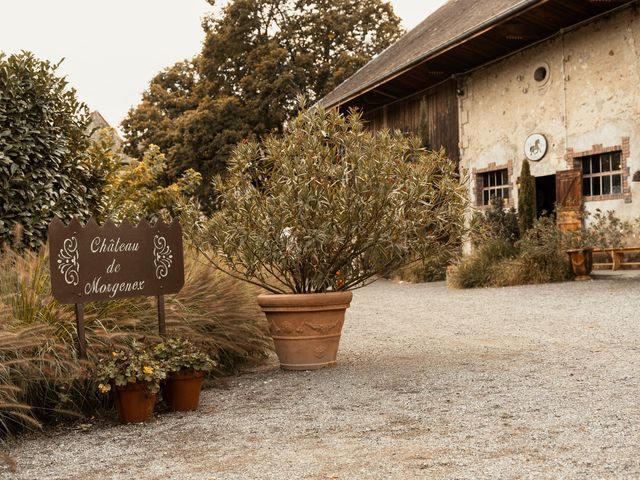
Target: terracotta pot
(306,328)
(581,262)
(134,402)
(181,390)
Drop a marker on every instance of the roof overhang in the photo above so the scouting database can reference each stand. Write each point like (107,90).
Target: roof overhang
(526,23)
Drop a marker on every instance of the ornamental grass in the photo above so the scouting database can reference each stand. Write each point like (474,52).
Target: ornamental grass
(41,379)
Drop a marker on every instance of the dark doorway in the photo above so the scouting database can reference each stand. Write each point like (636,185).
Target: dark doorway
(545,195)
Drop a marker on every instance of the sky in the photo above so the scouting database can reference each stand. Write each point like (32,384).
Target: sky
(112,49)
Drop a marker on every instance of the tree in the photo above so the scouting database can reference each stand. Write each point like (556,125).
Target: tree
(526,199)
(104,160)
(258,56)
(170,94)
(134,191)
(43,171)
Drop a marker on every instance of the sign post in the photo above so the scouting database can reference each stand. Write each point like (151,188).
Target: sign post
(108,262)
(162,327)
(82,341)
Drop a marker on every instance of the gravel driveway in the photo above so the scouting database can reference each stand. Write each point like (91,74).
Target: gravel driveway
(520,382)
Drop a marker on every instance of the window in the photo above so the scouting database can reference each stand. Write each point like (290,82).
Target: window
(602,174)
(540,74)
(494,184)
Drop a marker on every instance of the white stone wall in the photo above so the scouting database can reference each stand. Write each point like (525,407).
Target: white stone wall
(591,97)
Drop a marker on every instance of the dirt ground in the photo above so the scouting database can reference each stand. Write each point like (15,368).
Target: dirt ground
(522,382)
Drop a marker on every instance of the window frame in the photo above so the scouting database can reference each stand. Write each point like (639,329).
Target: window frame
(495,184)
(575,160)
(598,182)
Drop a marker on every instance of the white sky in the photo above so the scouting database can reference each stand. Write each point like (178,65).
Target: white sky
(113,48)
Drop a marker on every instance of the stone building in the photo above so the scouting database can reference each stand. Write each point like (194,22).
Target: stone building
(497,81)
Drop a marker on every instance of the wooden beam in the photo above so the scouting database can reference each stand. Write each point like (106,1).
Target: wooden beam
(385,94)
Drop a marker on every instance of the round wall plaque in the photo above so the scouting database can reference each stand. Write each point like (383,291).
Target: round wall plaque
(535,147)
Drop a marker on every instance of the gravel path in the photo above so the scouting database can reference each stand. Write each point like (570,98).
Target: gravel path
(520,382)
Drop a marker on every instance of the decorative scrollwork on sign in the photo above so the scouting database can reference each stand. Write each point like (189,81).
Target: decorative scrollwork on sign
(162,256)
(68,261)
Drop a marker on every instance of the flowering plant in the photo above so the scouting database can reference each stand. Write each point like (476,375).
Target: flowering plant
(180,354)
(135,365)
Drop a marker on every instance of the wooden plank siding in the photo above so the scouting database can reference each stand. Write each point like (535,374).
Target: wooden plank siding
(441,117)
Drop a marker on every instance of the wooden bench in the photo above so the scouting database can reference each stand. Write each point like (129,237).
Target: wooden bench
(617,258)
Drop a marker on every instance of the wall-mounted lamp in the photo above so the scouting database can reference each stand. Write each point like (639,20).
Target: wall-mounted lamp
(459,85)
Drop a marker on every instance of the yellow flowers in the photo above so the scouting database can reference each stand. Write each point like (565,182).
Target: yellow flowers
(114,353)
(147,370)
(104,388)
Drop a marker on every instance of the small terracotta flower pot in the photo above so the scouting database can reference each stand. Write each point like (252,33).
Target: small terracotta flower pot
(581,262)
(134,402)
(181,390)
(306,328)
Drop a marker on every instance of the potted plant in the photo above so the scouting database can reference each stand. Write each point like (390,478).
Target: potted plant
(134,377)
(580,250)
(322,209)
(186,366)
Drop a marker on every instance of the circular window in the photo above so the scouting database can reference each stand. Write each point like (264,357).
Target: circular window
(540,74)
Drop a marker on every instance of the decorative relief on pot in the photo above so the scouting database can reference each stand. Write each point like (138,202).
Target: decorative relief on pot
(322,327)
(321,351)
(162,257)
(68,261)
(281,327)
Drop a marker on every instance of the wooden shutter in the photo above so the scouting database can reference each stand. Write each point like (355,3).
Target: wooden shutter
(569,199)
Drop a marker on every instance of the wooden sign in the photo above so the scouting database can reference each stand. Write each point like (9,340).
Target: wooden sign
(112,261)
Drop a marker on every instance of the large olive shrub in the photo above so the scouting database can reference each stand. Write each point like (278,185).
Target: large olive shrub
(329,205)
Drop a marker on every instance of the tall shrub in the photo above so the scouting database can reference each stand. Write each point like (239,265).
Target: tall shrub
(526,199)
(329,205)
(42,143)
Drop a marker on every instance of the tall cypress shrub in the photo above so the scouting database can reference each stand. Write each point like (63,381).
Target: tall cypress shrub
(526,199)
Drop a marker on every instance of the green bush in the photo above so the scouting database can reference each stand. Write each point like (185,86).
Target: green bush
(426,270)
(538,257)
(42,150)
(39,371)
(496,222)
(609,231)
(541,257)
(480,267)
(135,190)
(604,230)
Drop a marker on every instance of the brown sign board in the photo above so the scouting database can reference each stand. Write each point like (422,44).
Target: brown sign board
(108,262)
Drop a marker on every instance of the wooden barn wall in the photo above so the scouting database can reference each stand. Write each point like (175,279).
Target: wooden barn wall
(442,117)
